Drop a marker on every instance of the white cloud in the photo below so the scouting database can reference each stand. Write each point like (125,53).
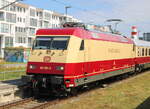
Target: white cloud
(133,12)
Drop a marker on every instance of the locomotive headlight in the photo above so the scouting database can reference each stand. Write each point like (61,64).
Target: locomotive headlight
(59,68)
(32,66)
(67,81)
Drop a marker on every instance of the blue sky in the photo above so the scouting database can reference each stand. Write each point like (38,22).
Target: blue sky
(132,12)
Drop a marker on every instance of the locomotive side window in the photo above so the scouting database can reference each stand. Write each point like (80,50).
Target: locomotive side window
(51,42)
(134,47)
(82,45)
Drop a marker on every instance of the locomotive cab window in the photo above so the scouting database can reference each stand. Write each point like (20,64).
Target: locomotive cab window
(51,42)
(82,45)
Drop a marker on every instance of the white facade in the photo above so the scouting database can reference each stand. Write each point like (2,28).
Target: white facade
(19,22)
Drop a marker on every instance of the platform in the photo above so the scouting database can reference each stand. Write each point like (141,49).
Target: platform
(9,90)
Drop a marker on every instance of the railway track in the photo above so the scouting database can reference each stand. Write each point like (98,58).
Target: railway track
(31,103)
(28,103)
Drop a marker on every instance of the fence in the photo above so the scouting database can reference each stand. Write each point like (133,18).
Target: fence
(12,71)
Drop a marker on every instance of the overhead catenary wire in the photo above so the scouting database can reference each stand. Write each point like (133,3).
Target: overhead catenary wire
(9,4)
(78,8)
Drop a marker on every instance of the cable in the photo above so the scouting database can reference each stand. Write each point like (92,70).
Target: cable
(10,4)
(84,10)
(59,2)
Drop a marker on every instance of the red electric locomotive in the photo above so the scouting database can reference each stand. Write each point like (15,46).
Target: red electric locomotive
(64,59)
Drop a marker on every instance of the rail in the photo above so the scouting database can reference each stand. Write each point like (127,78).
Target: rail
(20,102)
(45,105)
(23,102)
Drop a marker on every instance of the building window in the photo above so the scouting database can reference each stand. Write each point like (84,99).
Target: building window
(16,29)
(24,10)
(21,40)
(4,28)
(47,16)
(20,29)
(32,31)
(40,23)
(10,17)
(32,12)
(8,41)
(18,9)
(46,24)
(24,20)
(12,8)
(1,16)
(4,3)
(33,22)
(30,42)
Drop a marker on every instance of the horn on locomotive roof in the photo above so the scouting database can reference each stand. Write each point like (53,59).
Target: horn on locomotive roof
(74,24)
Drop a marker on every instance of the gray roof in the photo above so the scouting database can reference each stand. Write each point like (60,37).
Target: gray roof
(141,43)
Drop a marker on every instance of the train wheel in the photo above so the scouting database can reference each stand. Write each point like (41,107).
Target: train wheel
(138,69)
(74,91)
(27,92)
(36,93)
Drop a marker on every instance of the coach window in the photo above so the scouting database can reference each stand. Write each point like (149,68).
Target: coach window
(138,51)
(146,52)
(142,51)
(82,45)
(149,52)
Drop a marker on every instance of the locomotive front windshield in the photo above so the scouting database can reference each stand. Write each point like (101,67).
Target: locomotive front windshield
(51,43)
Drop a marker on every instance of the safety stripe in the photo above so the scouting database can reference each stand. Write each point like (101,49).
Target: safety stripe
(77,76)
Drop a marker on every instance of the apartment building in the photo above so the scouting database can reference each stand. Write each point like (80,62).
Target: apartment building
(146,36)
(19,22)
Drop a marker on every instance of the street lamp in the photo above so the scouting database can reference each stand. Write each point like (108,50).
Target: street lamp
(66,11)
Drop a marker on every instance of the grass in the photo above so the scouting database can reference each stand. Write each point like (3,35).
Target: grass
(128,94)
(7,75)
(3,62)
(11,75)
